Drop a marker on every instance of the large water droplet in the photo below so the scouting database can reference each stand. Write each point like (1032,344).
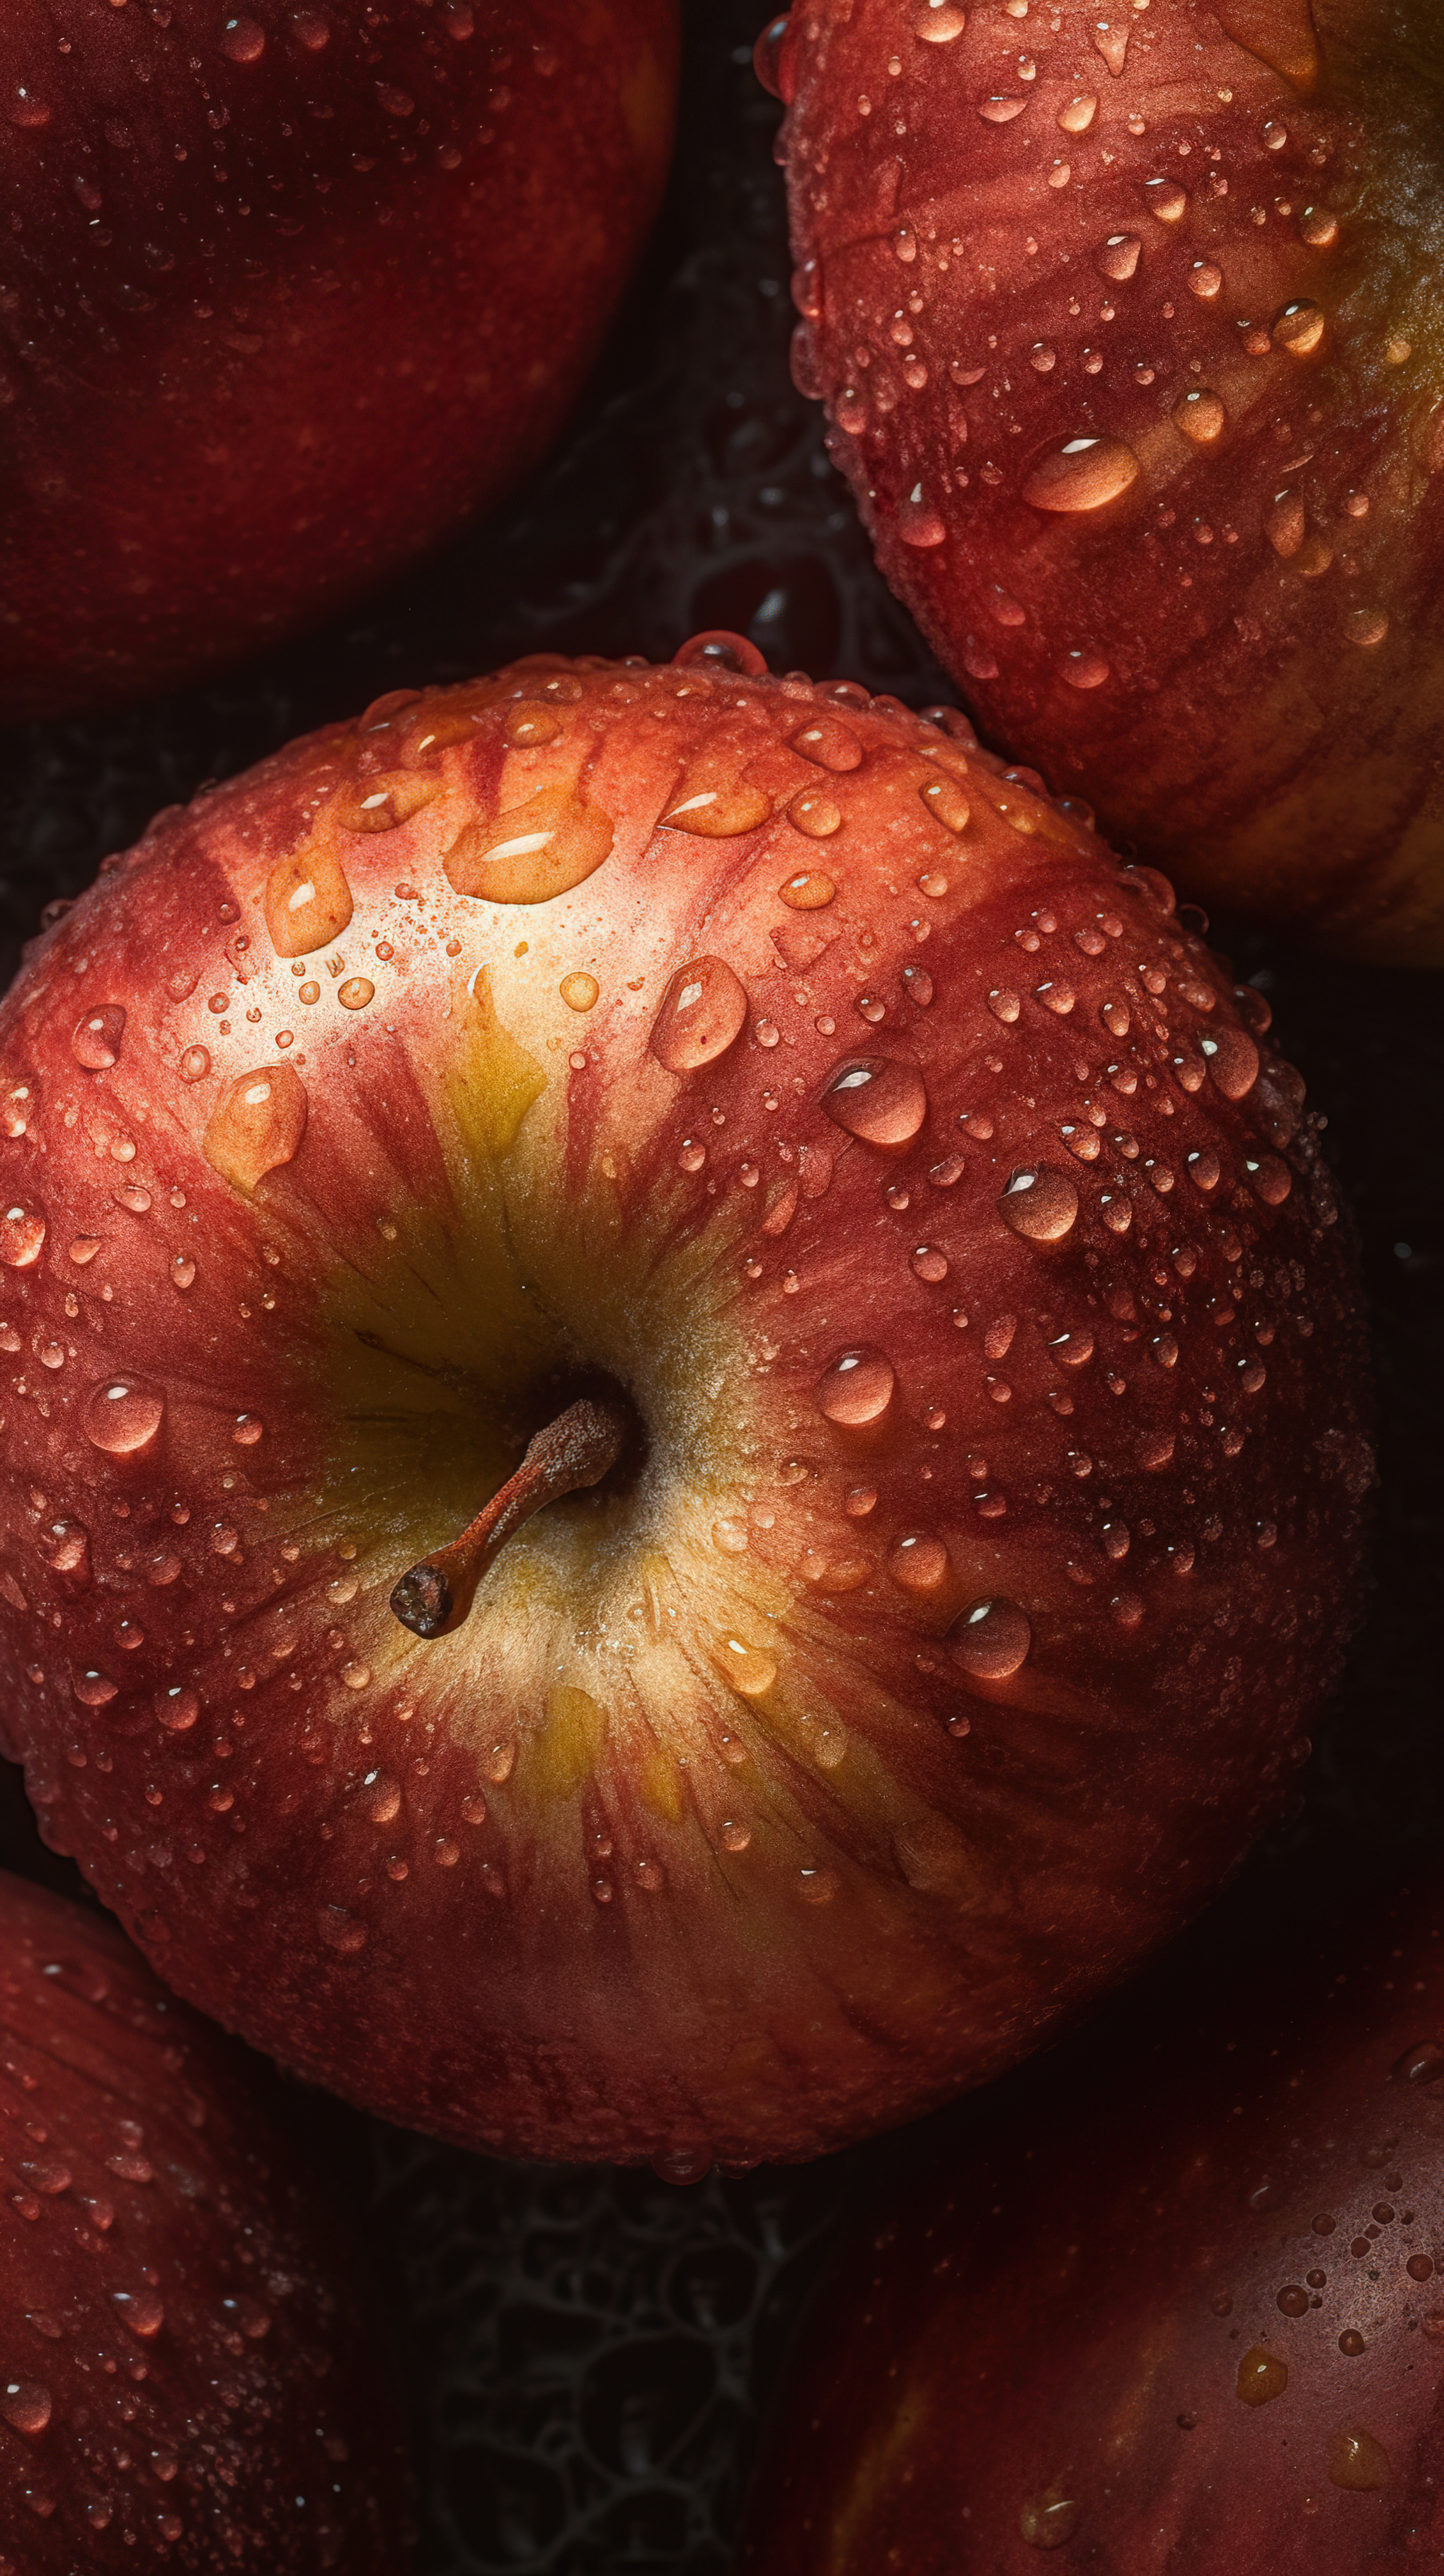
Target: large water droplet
(938,22)
(746,1668)
(1039,1204)
(918,1563)
(1358,2462)
(878,1098)
(95,1040)
(991,1639)
(242,41)
(534,852)
(703,1012)
(808,891)
(1050,2518)
(1079,113)
(25,2404)
(1119,256)
(1233,1061)
(308,900)
(857,1387)
(1200,415)
(1165,200)
(717,809)
(123,1414)
(830,744)
(256,1125)
(1085,474)
(1298,328)
(717,648)
(1261,2377)
(22,1233)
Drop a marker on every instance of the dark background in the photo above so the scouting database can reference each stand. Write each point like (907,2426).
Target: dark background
(587,2351)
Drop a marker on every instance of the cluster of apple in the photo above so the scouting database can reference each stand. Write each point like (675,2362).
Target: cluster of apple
(684,1444)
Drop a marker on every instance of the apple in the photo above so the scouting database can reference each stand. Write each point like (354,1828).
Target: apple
(1123,325)
(1173,2301)
(284,296)
(192,2368)
(683,1408)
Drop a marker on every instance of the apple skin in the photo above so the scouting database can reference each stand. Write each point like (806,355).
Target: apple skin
(1037,2333)
(731,1823)
(1233,643)
(191,2360)
(285,296)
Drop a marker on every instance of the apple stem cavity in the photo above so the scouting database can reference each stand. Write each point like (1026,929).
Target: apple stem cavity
(574,1451)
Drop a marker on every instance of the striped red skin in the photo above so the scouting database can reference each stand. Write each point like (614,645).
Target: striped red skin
(668,1850)
(192,2364)
(263,337)
(1208,236)
(1172,2304)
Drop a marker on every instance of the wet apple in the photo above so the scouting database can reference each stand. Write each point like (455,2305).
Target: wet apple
(1172,2302)
(193,2367)
(283,296)
(1125,328)
(683,1420)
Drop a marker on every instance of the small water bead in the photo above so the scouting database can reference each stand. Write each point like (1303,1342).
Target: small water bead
(248,1430)
(1079,113)
(1366,626)
(1268,1178)
(94,1689)
(872,1007)
(856,1388)
(1055,996)
(178,1709)
(860,1501)
(919,1563)
(1298,328)
(938,22)
(1084,474)
(703,1012)
(1165,200)
(22,1235)
(1039,1204)
(257,1125)
(808,891)
(877,1098)
(929,1263)
(691,1155)
(1000,109)
(195,1064)
(96,1040)
(1004,1006)
(918,985)
(1204,280)
(135,1198)
(817,816)
(829,744)
(1119,257)
(1083,669)
(579,991)
(745,1667)
(123,1416)
(991,1639)
(943,798)
(930,883)
(897,1195)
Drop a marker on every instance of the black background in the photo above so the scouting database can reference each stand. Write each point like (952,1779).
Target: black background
(588,2351)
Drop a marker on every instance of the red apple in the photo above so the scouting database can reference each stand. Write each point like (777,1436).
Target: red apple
(1174,2302)
(284,295)
(191,2369)
(1124,327)
(877,1203)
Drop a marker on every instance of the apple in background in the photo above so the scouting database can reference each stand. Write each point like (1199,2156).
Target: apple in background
(1124,325)
(284,296)
(1174,2301)
(858,1256)
(191,2368)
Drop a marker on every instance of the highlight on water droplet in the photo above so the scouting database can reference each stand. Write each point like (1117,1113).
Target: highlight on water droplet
(22,1234)
(1232,1059)
(1165,200)
(1039,1203)
(703,1012)
(943,798)
(878,1098)
(856,1388)
(1083,474)
(1084,669)
(25,2404)
(817,816)
(828,744)
(242,41)
(257,1125)
(123,1415)
(991,1639)
(1079,113)
(95,1040)
(718,809)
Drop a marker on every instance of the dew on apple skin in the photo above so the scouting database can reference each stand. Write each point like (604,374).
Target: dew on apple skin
(1049,2519)
(242,41)
(257,1125)
(928,1262)
(182,1270)
(141,2310)
(95,1041)
(943,798)
(856,1388)
(991,1639)
(1084,474)
(308,900)
(1358,2462)
(702,1014)
(744,1667)
(829,744)
(579,991)
(123,1415)
(22,1235)
(1422,2064)
(918,1562)
(1261,2377)
(95,1689)
(817,816)
(340,1930)
(717,810)
(808,891)
(1039,1204)
(25,2404)
(1299,327)
(880,1099)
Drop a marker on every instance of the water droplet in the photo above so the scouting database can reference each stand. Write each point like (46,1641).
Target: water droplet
(25,2404)
(141,2310)
(718,811)
(1293,2300)
(938,22)
(929,1263)
(1119,256)
(745,1667)
(1039,1204)
(1284,524)
(856,1388)
(1233,1061)
(918,523)
(532,853)
(1083,669)
(1165,200)
(242,41)
(877,1098)
(1000,110)
(1204,280)
(1358,2462)
(256,1125)
(95,1689)
(95,1041)
(945,801)
(703,1011)
(1056,995)
(1319,227)
(22,1233)
(991,1639)
(1049,2519)
(123,1415)
(1085,474)
(1079,113)
(195,1063)
(308,900)
(817,816)
(340,1930)
(1298,328)
(178,1709)
(579,992)
(807,892)
(1200,415)
(135,1198)
(1422,2064)
(718,649)
(249,1429)
(355,993)
(829,744)
(918,1563)
(767,63)
(1366,626)
(1261,2376)
(1110,39)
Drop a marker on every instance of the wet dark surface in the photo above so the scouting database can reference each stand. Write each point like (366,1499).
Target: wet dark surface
(588,2351)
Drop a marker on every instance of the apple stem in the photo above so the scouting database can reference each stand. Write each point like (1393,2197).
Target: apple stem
(575,1450)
